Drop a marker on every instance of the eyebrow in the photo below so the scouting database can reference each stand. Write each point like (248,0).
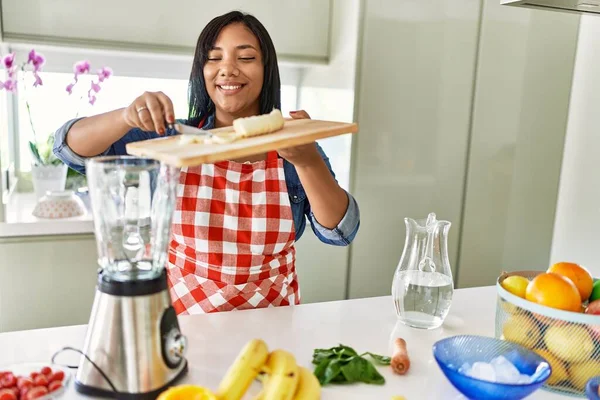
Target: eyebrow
(240,47)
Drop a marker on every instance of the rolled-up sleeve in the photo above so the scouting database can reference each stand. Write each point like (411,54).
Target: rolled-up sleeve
(64,153)
(344,233)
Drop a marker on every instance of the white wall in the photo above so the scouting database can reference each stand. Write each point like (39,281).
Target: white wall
(416,81)
(327,92)
(519,121)
(576,234)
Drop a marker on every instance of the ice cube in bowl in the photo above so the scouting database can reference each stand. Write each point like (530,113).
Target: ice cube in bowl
(495,361)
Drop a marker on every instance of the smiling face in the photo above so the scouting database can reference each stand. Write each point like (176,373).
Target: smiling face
(234,73)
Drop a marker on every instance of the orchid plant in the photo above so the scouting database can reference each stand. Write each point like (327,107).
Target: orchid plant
(42,150)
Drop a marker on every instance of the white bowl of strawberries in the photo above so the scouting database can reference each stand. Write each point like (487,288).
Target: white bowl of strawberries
(33,381)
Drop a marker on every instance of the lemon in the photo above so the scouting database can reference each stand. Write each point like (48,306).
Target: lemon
(582,372)
(559,371)
(570,343)
(187,392)
(522,330)
(516,285)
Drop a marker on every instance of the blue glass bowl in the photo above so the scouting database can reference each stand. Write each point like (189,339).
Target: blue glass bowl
(451,353)
(591,389)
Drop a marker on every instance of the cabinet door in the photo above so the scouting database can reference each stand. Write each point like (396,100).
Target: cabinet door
(520,114)
(298,28)
(416,83)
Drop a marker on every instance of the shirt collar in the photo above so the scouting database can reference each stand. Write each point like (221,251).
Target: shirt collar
(210,122)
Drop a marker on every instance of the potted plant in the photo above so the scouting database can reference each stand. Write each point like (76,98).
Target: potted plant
(48,172)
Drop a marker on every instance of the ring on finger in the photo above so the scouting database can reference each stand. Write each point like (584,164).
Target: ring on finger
(140,109)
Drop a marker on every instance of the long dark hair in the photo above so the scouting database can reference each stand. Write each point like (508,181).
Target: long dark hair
(200,104)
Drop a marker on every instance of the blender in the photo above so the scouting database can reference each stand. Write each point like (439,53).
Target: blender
(133,348)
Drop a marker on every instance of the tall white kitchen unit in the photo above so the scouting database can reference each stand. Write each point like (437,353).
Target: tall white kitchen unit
(462,107)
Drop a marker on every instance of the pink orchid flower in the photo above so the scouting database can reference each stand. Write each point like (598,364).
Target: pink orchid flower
(81,67)
(70,88)
(10,85)
(104,73)
(38,80)
(95,87)
(92,99)
(36,59)
(8,60)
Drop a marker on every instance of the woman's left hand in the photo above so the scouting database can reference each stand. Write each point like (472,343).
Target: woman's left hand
(305,154)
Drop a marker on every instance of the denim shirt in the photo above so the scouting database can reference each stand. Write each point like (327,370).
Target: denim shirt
(341,235)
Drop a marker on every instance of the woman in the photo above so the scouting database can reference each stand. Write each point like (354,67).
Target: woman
(233,231)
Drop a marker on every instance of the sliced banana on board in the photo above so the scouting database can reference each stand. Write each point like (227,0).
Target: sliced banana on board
(244,127)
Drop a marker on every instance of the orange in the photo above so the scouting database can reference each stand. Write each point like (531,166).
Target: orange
(580,276)
(554,290)
(187,392)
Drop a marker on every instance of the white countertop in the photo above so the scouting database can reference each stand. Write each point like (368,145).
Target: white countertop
(20,222)
(365,324)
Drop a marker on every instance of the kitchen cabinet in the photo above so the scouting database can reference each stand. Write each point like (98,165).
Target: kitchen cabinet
(299,29)
(414,101)
(520,112)
(463,113)
(46,281)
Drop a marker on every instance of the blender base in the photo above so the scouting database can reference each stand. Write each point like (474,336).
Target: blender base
(98,392)
(133,347)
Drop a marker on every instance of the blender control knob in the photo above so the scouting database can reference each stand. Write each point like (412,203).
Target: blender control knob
(175,346)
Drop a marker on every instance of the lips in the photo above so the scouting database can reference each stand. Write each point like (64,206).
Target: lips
(230,88)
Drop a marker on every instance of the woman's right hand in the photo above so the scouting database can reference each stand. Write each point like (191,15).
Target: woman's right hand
(150,112)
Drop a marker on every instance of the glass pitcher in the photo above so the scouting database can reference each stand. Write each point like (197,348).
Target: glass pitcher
(422,288)
(132,201)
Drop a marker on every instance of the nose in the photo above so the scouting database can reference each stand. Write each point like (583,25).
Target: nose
(228,68)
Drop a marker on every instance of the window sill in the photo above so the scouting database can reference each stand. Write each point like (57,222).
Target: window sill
(20,222)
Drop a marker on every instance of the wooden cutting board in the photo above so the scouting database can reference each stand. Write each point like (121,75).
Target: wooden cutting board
(294,132)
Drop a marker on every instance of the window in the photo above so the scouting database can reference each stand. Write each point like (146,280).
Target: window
(51,106)
(4,143)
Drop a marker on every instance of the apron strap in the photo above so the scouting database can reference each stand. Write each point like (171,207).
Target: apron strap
(202,122)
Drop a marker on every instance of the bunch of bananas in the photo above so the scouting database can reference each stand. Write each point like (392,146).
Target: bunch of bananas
(282,378)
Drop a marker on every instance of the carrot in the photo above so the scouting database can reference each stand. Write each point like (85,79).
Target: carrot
(400,362)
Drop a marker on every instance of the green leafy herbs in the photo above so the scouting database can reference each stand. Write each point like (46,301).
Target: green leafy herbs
(342,364)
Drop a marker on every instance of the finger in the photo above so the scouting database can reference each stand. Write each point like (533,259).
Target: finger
(157,114)
(145,118)
(133,118)
(300,114)
(167,106)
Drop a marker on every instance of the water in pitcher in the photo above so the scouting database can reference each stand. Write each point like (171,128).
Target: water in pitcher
(424,298)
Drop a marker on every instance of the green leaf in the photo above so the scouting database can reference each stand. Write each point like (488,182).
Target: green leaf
(322,354)
(382,360)
(371,375)
(354,370)
(345,352)
(332,370)
(35,153)
(320,369)
(342,364)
